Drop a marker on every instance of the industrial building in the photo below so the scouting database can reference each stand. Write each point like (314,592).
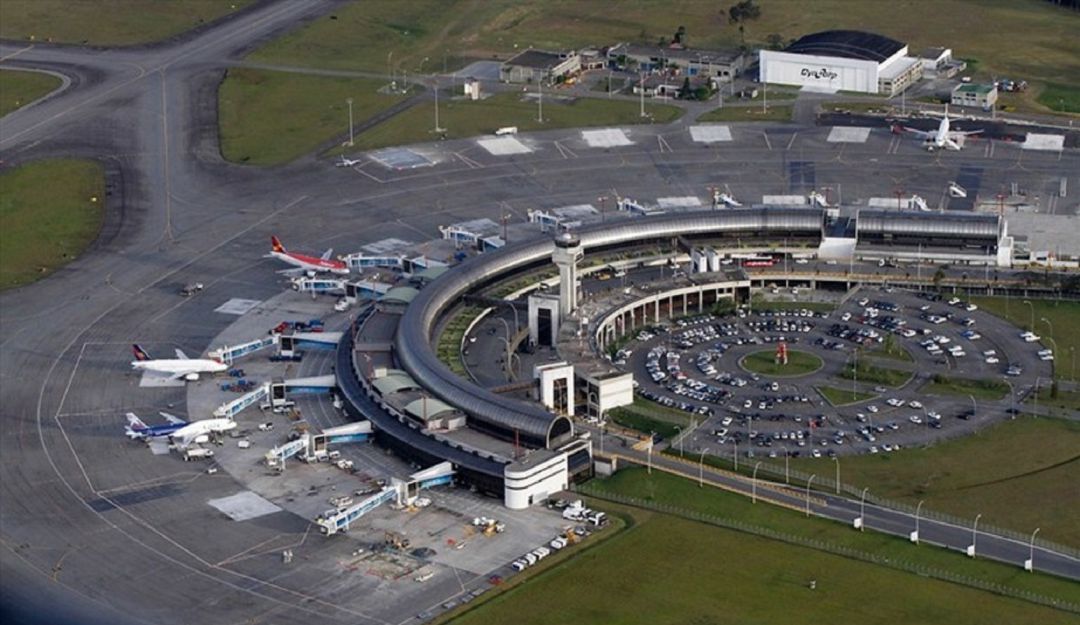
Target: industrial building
(972,95)
(538,66)
(718,65)
(843,60)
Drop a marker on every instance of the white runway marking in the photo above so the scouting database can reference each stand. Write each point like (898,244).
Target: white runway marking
(848,134)
(1035,141)
(237,306)
(605,138)
(688,201)
(710,133)
(153,379)
(244,506)
(400,158)
(503,146)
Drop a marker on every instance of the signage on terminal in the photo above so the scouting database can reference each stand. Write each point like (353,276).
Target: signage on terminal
(824,72)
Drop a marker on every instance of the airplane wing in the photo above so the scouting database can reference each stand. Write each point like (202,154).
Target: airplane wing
(179,375)
(966,133)
(922,134)
(326,255)
(180,354)
(172,419)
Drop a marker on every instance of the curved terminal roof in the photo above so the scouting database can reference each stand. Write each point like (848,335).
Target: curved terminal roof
(400,294)
(532,421)
(394,383)
(936,225)
(434,408)
(848,44)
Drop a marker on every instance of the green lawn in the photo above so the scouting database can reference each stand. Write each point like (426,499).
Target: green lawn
(1059,97)
(1064,316)
(764,362)
(1065,400)
(979,389)
(374,34)
(747,114)
(122,22)
(891,349)
(669,571)
(464,118)
(842,396)
(643,423)
(50,211)
(996,472)
(269,118)
(17,89)
(448,348)
(872,374)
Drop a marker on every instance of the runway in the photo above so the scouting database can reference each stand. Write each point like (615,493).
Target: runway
(126,537)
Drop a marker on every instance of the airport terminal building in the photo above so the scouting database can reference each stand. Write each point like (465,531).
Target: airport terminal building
(843,60)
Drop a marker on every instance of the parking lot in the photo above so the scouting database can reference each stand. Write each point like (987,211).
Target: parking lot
(903,342)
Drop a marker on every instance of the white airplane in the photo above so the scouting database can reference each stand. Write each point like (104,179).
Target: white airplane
(177,368)
(200,431)
(347,162)
(137,430)
(943,137)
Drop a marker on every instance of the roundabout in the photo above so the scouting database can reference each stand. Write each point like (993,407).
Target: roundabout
(770,364)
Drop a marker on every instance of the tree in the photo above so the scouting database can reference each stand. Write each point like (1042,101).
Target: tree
(743,11)
(939,275)
(775,41)
(680,36)
(684,90)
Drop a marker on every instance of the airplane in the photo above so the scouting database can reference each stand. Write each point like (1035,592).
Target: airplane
(137,430)
(200,431)
(347,162)
(178,368)
(943,137)
(306,263)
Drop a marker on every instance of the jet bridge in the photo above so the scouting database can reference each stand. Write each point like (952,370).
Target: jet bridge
(228,354)
(333,521)
(276,457)
(232,408)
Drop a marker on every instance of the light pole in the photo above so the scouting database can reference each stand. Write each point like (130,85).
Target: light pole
(837,461)
(1036,396)
(753,484)
(1051,326)
(389,68)
(862,510)
(915,534)
(787,465)
(974,407)
(1031,326)
(808,482)
(736,454)
(974,534)
(540,101)
(435,86)
(349,102)
(680,436)
(1072,366)
(701,468)
(1030,564)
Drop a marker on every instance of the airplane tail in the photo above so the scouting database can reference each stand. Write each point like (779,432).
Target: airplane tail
(140,353)
(135,424)
(276,245)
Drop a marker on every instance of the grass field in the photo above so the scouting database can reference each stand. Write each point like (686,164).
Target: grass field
(843,397)
(1059,97)
(648,416)
(125,22)
(979,389)
(669,571)
(17,89)
(891,349)
(50,211)
(269,118)
(1066,400)
(1065,317)
(872,374)
(463,118)
(747,114)
(378,34)
(448,348)
(764,362)
(1020,474)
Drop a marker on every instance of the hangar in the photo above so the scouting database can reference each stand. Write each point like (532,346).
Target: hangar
(847,60)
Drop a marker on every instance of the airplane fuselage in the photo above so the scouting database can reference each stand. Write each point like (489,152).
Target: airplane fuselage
(311,263)
(185,368)
(196,430)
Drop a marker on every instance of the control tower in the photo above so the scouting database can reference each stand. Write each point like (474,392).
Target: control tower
(566,255)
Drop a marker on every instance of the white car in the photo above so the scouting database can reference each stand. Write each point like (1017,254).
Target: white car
(845,317)
(872,408)
(915,403)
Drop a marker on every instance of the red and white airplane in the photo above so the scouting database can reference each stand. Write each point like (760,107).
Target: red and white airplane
(305,263)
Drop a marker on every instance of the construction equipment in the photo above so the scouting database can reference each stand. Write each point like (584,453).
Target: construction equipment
(395,540)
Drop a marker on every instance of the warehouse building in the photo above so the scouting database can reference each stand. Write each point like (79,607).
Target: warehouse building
(532,66)
(982,96)
(718,65)
(843,60)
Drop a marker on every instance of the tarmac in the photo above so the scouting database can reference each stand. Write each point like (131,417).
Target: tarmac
(98,530)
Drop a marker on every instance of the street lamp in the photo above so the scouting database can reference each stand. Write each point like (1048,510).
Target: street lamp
(808,482)
(837,461)
(1072,366)
(1030,564)
(701,468)
(915,534)
(753,484)
(680,437)
(974,407)
(1031,326)
(787,465)
(974,534)
(349,101)
(862,510)
(1051,326)
(736,456)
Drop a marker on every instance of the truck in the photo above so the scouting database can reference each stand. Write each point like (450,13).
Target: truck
(197,453)
(191,288)
(506,130)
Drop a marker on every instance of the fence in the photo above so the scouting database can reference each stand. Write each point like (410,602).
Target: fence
(855,554)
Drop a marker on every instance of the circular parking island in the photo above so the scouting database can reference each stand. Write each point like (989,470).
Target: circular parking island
(764,362)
